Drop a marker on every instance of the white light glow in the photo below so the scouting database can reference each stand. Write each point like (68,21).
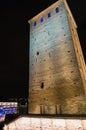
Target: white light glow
(74,124)
(84,124)
(29,123)
(59,123)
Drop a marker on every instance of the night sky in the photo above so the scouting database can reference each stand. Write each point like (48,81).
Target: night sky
(14,41)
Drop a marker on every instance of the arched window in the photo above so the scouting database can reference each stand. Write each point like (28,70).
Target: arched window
(34,23)
(41,19)
(57,9)
(49,14)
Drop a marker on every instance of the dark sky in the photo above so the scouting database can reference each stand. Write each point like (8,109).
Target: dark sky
(14,40)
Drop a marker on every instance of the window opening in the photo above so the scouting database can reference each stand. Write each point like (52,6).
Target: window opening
(57,9)
(34,23)
(49,14)
(42,85)
(37,52)
(41,19)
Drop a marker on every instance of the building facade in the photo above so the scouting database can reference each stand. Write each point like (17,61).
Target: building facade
(57,73)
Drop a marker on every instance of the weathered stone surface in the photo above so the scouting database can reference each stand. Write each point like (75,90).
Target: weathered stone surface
(54,75)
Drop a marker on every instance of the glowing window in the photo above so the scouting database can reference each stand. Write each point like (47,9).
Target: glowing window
(41,19)
(35,23)
(57,9)
(14,110)
(49,14)
(1,111)
(11,110)
(6,111)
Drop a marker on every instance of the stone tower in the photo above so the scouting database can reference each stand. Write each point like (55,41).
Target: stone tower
(57,75)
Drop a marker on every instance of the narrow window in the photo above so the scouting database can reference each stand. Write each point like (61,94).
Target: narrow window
(37,52)
(34,23)
(42,85)
(49,14)
(57,9)
(41,19)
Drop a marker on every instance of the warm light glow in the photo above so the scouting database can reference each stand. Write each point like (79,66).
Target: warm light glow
(74,124)
(29,123)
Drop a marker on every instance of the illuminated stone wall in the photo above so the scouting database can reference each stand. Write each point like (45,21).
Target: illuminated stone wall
(30,123)
(55,83)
